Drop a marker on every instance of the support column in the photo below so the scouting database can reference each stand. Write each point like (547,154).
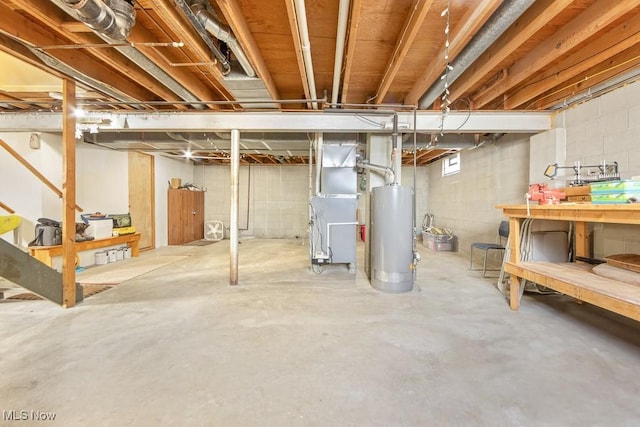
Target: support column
(235,197)
(68,194)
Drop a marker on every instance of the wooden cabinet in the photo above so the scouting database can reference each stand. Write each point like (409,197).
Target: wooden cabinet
(185,216)
(572,279)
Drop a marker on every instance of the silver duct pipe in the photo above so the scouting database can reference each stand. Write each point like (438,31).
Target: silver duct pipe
(113,18)
(343,17)
(136,56)
(226,66)
(389,175)
(222,33)
(502,19)
(303,30)
(78,76)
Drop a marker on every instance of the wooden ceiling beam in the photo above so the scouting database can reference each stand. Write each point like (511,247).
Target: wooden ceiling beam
(293,24)
(238,24)
(173,19)
(20,28)
(412,25)
(352,40)
(533,20)
(621,63)
(52,17)
(6,99)
(621,38)
(585,26)
(469,25)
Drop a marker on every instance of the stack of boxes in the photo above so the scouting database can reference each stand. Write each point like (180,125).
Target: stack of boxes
(615,192)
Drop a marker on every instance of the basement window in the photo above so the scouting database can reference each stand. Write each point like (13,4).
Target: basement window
(451,165)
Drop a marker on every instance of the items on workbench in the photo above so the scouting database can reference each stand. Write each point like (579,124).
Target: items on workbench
(585,174)
(615,192)
(545,195)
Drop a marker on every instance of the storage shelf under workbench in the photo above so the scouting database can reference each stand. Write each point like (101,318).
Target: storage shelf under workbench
(568,278)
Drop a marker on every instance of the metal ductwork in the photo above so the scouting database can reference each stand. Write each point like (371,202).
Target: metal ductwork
(448,141)
(112,18)
(221,32)
(502,19)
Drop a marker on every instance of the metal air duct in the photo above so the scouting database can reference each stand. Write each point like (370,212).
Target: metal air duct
(222,33)
(113,18)
(502,19)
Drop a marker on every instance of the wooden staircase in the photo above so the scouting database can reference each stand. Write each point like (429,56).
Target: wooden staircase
(26,271)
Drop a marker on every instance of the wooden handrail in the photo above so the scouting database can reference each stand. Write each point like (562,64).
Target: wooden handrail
(7,208)
(33,170)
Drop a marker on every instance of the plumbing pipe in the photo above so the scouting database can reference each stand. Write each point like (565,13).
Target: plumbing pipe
(235,197)
(114,20)
(397,149)
(343,17)
(389,175)
(303,31)
(222,32)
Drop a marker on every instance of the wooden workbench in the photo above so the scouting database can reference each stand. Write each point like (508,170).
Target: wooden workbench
(45,253)
(569,278)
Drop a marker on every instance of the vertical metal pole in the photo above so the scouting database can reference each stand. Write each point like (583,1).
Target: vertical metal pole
(68,195)
(235,198)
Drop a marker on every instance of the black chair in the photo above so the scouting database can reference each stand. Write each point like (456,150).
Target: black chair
(503,233)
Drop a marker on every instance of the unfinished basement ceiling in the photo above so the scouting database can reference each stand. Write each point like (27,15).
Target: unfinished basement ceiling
(505,55)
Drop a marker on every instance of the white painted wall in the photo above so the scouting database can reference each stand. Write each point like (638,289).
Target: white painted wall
(101,184)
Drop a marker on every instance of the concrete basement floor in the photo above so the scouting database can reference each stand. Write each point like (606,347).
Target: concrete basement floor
(287,347)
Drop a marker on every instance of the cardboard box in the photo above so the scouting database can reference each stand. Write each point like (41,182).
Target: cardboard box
(100,228)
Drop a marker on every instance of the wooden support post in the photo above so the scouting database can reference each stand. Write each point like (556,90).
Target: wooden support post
(514,256)
(68,194)
(582,239)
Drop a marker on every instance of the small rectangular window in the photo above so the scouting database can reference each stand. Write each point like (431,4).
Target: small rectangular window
(451,165)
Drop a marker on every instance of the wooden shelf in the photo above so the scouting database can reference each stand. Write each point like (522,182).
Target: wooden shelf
(579,282)
(572,279)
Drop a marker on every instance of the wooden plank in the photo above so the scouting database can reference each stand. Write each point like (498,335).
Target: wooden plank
(574,281)
(582,239)
(586,25)
(68,194)
(616,41)
(233,14)
(535,18)
(620,214)
(33,170)
(410,29)
(27,31)
(141,196)
(352,39)
(45,254)
(293,24)
(7,208)
(470,23)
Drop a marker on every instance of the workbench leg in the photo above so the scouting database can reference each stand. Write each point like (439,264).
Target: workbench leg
(514,292)
(582,239)
(135,248)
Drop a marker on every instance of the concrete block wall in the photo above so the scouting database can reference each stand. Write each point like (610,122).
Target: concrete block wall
(273,199)
(607,128)
(493,174)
